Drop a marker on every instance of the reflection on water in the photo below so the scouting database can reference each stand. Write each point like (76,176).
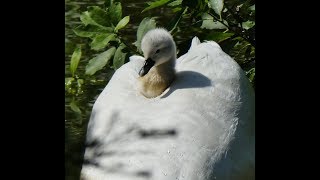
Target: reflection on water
(75,124)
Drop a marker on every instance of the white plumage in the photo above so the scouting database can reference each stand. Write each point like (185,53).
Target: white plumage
(202,127)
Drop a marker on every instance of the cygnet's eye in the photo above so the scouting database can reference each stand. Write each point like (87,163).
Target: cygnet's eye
(157,51)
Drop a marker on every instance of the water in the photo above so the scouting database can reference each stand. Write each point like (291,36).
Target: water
(75,124)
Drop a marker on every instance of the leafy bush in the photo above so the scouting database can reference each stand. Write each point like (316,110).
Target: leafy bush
(230,23)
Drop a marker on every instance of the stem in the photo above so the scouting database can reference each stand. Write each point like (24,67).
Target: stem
(192,24)
(235,16)
(129,47)
(240,20)
(221,21)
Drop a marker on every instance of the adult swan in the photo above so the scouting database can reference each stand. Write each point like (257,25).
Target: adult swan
(165,119)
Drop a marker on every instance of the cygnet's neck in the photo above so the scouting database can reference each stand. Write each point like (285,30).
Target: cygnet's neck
(158,79)
(166,69)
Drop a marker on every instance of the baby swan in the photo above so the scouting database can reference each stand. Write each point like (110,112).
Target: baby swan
(158,72)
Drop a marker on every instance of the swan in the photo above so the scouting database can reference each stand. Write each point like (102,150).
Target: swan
(201,127)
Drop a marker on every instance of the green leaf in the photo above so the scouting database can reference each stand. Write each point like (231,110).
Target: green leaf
(252,8)
(176,9)
(99,15)
(124,21)
(251,74)
(97,63)
(101,41)
(218,36)
(91,31)
(74,107)
(95,16)
(156,4)
(119,57)
(86,19)
(248,24)
(145,25)
(239,51)
(75,60)
(68,81)
(251,77)
(175,3)
(217,6)
(80,82)
(209,23)
(115,12)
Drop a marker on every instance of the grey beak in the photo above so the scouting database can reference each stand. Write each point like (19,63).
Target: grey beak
(146,67)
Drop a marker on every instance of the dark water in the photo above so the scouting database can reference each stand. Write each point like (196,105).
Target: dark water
(76,124)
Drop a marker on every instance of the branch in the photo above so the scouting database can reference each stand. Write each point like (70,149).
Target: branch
(129,47)
(242,32)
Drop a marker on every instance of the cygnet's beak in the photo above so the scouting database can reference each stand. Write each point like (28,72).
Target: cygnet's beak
(146,67)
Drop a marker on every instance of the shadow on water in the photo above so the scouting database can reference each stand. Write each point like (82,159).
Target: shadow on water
(188,79)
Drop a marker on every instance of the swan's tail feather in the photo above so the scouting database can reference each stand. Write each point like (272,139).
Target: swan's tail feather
(195,42)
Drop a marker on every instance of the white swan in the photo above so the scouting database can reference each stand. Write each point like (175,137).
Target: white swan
(200,128)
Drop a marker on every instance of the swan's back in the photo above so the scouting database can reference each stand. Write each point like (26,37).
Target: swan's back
(201,128)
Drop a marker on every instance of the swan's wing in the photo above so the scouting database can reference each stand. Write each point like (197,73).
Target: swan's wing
(220,91)
(202,125)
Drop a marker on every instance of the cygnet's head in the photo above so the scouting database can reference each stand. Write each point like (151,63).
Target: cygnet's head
(158,47)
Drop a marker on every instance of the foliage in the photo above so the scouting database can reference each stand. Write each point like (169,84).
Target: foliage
(101,25)
(230,23)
